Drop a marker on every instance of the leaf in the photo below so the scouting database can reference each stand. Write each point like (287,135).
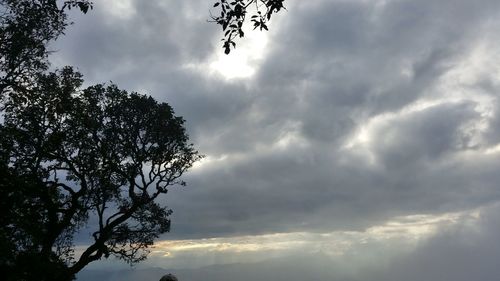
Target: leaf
(83,7)
(216,4)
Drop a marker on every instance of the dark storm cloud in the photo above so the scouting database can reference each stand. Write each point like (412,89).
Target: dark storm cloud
(282,147)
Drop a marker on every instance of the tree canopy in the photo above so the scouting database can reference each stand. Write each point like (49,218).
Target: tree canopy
(26,27)
(69,154)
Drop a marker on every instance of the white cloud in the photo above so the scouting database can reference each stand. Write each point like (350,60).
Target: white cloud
(122,9)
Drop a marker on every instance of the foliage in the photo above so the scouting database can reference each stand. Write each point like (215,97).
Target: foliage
(69,154)
(233,14)
(26,26)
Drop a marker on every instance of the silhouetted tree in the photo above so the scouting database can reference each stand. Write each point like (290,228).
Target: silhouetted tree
(26,26)
(70,154)
(232,14)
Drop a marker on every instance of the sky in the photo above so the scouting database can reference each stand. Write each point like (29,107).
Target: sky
(362,132)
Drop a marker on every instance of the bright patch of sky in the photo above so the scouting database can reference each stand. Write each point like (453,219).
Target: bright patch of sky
(121,9)
(406,232)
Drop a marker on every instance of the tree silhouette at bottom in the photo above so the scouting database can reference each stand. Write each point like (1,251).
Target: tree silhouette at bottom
(98,157)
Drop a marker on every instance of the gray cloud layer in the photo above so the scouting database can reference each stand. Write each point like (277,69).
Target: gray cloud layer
(360,110)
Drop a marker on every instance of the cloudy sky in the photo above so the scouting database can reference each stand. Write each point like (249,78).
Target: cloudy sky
(364,132)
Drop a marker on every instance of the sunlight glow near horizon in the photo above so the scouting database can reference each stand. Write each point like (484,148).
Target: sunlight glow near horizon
(405,231)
